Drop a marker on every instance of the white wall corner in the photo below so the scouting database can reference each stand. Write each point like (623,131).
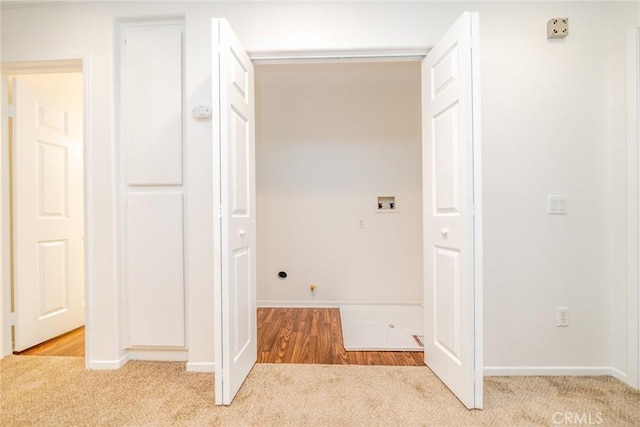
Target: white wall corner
(633,207)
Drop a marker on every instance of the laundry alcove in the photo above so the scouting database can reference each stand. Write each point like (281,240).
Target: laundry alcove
(331,139)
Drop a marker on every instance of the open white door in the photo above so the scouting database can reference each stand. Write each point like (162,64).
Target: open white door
(235,223)
(47,207)
(452,221)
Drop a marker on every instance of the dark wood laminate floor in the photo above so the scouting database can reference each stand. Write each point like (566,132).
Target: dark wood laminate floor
(314,335)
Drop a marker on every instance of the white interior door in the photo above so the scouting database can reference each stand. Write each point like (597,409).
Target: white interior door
(235,226)
(47,207)
(452,233)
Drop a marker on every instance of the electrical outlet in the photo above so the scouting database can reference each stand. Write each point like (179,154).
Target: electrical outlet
(557,28)
(562,316)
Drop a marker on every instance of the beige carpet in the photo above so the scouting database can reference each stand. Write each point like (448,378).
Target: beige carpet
(58,391)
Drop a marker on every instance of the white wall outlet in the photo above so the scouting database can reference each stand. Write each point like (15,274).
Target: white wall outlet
(562,316)
(557,28)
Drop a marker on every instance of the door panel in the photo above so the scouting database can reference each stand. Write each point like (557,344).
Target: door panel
(152,104)
(452,233)
(47,208)
(155,270)
(235,305)
(52,188)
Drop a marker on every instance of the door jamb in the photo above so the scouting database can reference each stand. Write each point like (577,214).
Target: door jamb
(61,65)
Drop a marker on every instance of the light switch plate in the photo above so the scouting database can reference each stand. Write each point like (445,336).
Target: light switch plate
(557,205)
(557,28)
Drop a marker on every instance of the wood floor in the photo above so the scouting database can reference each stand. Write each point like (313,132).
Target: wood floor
(69,344)
(314,335)
(285,335)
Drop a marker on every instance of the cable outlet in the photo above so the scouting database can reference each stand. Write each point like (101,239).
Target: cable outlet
(557,28)
(562,316)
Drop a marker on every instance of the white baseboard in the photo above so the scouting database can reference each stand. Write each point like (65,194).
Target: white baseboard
(620,375)
(201,367)
(329,304)
(107,364)
(501,371)
(159,355)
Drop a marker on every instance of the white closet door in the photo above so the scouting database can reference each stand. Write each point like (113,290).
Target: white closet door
(452,233)
(153,189)
(235,228)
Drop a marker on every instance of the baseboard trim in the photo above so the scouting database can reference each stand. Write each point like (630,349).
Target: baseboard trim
(103,365)
(501,371)
(159,355)
(328,304)
(620,375)
(201,367)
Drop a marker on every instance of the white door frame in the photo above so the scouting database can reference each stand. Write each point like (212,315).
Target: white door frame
(55,65)
(633,208)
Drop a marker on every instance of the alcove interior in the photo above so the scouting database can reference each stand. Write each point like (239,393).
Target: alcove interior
(334,139)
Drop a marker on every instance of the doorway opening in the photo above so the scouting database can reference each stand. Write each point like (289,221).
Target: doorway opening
(334,141)
(43,208)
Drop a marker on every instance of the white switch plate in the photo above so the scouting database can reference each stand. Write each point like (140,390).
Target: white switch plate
(557,28)
(557,204)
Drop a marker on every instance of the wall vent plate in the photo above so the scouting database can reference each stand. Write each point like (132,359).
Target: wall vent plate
(557,28)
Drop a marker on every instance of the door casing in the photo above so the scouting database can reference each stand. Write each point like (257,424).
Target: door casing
(58,65)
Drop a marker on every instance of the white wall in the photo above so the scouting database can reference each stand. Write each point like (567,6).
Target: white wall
(330,139)
(552,123)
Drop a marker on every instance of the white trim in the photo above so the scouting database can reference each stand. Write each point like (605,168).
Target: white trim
(162,355)
(633,211)
(87,197)
(6,345)
(556,371)
(201,367)
(328,304)
(42,67)
(477,214)
(102,365)
(301,57)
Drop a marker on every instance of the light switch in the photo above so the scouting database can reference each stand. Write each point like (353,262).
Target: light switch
(557,205)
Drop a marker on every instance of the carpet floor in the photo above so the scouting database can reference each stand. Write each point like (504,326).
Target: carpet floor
(58,391)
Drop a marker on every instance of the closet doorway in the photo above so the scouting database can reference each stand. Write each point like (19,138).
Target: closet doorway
(334,141)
